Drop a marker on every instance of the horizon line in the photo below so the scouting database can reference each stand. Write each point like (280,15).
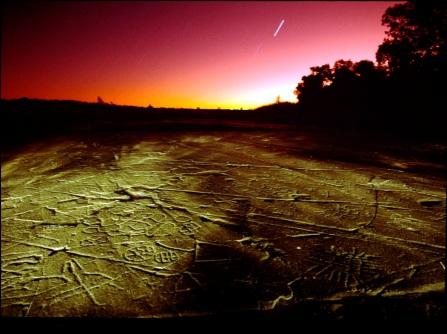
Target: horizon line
(111,103)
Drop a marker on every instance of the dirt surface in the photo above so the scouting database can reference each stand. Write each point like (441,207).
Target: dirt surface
(193,223)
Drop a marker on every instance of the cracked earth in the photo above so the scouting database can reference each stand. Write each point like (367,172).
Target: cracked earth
(178,224)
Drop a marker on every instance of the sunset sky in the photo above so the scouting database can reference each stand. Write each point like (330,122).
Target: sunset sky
(179,54)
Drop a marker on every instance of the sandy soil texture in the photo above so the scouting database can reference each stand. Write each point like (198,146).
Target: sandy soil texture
(184,223)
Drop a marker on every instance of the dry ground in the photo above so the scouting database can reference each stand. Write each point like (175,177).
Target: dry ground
(178,224)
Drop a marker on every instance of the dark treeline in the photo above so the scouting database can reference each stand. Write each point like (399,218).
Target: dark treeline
(404,93)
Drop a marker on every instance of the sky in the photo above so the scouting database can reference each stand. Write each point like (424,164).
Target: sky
(179,54)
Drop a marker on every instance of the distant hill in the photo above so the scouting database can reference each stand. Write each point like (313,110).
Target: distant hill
(278,107)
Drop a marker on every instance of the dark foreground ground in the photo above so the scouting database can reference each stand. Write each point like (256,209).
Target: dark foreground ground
(276,224)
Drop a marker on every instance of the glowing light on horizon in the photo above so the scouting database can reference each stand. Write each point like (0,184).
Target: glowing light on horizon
(132,53)
(278,29)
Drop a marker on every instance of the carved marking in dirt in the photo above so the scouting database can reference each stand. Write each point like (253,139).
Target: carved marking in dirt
(189,228)
(349,268)
(75,268)
(93,241)
(166,256)
(139,253)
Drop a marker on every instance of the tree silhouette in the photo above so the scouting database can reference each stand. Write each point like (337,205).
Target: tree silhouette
(402,92)
(414,53)
(335,82)
(344,81)
(415,38)
(366,70)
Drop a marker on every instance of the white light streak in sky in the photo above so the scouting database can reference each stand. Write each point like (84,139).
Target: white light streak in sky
(279,27)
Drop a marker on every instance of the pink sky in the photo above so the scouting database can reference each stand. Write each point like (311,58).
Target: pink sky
(179,54)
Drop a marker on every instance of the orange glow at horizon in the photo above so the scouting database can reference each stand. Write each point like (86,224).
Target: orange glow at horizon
(179,54)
